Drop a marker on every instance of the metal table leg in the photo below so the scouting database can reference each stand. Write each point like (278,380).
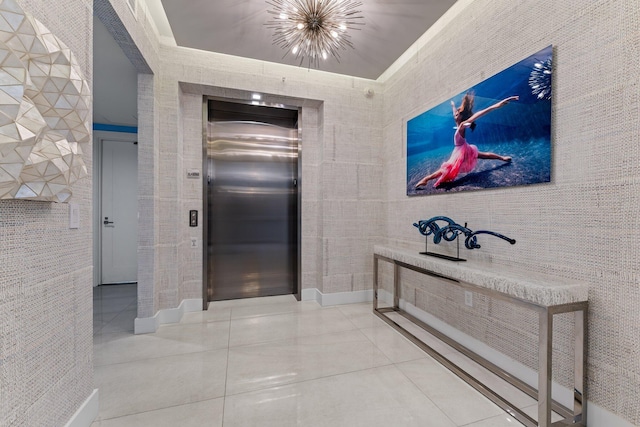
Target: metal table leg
(396,286)
(375,283)
(580,402)
(544,368)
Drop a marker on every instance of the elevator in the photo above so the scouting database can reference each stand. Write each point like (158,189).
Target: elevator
(251,201)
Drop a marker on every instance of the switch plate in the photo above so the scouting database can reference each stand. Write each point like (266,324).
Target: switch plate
(193,218)
(468,298)
(74,215)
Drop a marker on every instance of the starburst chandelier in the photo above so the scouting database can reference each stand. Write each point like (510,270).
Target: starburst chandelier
(314,29)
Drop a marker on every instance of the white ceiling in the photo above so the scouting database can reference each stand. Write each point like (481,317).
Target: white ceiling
(115,81)
(237,27)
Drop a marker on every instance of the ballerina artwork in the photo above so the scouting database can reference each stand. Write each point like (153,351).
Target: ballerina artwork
(464,157)
(510,146)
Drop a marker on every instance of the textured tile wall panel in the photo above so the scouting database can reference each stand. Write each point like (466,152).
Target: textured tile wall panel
(580,226)
(192,190)
(136,36)
(148,226)
(46,276)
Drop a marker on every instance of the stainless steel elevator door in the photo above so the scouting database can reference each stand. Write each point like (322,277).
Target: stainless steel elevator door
(252,209)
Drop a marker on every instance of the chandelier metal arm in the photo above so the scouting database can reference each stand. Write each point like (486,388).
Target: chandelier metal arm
(314,29)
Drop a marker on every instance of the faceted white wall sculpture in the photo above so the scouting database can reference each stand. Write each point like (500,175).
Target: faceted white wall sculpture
(44,110)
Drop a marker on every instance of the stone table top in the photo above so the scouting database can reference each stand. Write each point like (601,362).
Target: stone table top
(542,290)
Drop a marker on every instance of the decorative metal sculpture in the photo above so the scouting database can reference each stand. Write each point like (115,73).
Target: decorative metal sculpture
(450,232)
(44,110)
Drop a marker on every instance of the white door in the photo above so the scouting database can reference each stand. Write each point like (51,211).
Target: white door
(119,219)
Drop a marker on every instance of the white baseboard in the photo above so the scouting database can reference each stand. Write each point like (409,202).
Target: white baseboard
(596,415)
(87,413)
(337,298)
(385,297)
(309,294)
(148,325)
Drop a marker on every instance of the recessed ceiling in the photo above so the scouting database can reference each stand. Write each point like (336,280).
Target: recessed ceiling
(115,81)
(237,27)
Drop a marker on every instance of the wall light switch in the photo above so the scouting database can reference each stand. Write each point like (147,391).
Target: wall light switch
(74,215)
(468,298)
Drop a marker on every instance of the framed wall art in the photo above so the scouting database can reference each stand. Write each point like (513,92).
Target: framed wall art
(494,134)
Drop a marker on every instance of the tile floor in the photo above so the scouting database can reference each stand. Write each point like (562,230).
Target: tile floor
(276,362)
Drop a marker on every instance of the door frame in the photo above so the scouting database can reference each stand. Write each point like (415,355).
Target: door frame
(205,202)
(98,138)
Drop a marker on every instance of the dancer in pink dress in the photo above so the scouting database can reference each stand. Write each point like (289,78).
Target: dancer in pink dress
(464,156)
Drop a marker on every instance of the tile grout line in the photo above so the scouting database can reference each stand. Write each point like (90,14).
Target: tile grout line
(226,374)
(159,409)
(424,394)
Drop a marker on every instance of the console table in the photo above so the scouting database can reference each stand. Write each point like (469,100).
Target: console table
(542,294)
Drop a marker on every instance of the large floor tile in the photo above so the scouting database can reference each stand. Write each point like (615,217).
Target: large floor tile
(276,363)
(100,321)
(127,289)
(504,420)
(211,315)
(114,305)
(114,308)
(393,345)
(453,396)
(248,302)
(115,291)
(124,321)
(211,335)
(167,341)
(255,330)
(361,315)
(146,385)
(379,397)
(532,411)
(104,317)
(518,398)
(207,413)
(276,308)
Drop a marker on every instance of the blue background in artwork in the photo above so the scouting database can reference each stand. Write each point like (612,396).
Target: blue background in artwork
(513,130)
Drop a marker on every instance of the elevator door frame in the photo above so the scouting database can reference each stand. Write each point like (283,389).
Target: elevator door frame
(205,195)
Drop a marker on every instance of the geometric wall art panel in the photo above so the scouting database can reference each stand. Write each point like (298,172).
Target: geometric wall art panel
(44,110)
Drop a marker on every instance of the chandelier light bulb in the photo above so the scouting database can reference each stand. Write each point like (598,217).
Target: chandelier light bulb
(314,29)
